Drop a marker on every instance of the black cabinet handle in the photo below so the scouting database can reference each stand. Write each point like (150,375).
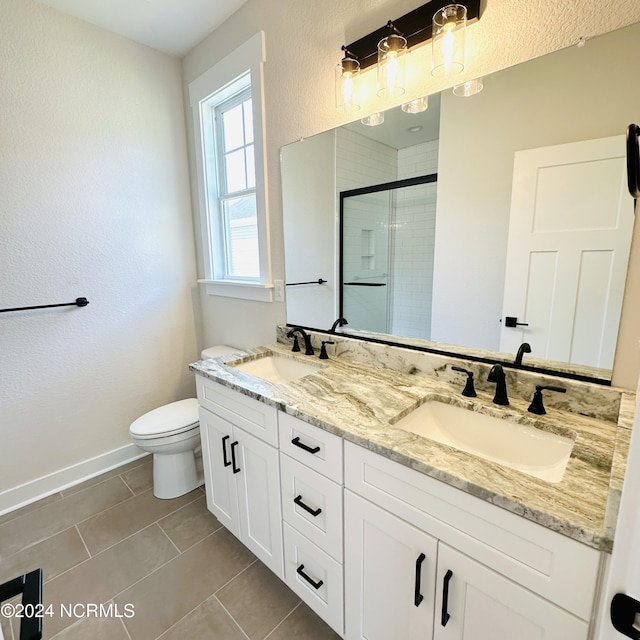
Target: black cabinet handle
(445,598)
(233,457)
(302,445)
(313,512)
(313,583)
(417,596)
(224,451)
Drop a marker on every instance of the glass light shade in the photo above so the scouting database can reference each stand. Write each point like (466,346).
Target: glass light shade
(391,62)
(469,88)
(347,85)
(373,120)
(416,106)
(447,43)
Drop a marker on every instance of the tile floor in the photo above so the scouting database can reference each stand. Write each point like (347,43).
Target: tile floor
(109,541)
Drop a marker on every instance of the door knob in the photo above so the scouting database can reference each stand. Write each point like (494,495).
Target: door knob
(512,321)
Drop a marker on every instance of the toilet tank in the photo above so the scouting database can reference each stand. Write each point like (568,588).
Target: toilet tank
(217,351)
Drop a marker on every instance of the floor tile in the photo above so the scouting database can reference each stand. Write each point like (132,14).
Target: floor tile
(42,523)
(53,555)
(140,479)
(109,527)
(105,476)
(16,513)
(258,600)
(190,524)
(100,578)
(209,620)
(303,623)
(171,592)
(95,628)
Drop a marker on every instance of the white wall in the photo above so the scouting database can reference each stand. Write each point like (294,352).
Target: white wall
(303,39)
(309,197)
(94,201)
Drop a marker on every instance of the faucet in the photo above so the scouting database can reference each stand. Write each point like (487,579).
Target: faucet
(537,406)
(340,322)
(497,375)
(469,390)
(308,349)
(525,347)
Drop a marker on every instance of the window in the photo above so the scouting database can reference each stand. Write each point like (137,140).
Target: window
(227,111)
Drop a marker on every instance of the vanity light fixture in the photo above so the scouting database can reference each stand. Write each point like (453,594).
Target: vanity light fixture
(388,46)
(347,87)
(469,88)
(391,61)
(449,26)
(416,106)
(373,120)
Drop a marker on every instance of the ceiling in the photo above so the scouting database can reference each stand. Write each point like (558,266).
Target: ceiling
(171,26)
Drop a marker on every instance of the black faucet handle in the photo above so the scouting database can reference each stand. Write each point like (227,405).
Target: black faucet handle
(537,404)
(296,345)
(469,390)
(323,350)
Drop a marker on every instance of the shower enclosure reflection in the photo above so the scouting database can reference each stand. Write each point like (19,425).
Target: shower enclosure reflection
(387,234)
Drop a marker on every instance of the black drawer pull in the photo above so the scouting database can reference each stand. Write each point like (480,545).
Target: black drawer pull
(224,451)
(297,442)
(445,598)
(417,596)
(313,583)
(233,457)
(313,512)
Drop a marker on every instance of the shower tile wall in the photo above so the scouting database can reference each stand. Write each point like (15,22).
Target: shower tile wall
(364,162)
(413,249)
(361,162)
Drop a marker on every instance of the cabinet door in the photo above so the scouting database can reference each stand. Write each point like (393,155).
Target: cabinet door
(220,483)
(390,569)
(257,469)
(475,603)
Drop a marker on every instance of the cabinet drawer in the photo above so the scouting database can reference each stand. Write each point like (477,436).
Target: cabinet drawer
(312,504)
(318,449)
(554,566)
(257,418)
(315,577)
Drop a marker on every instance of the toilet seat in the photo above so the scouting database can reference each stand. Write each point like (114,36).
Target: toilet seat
(169,420)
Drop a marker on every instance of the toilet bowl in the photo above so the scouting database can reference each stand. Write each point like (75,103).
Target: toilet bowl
(172,434)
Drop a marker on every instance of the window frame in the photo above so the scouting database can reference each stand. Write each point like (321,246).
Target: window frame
(238,70)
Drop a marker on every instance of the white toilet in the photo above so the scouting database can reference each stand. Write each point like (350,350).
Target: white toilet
(172,434)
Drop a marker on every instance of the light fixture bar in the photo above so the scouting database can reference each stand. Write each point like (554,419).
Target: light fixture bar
(416,26)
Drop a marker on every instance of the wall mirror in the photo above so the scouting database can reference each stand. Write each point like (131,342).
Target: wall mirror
(523,237)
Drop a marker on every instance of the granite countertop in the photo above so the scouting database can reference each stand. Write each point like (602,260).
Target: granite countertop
(361,403)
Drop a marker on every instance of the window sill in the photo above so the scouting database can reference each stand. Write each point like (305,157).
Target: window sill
(245,290)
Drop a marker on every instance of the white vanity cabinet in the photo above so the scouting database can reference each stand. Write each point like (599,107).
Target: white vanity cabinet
(242,469)
(311,480)
(486,573)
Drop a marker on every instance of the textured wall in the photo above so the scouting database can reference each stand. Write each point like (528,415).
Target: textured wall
(303,39)
(94,201)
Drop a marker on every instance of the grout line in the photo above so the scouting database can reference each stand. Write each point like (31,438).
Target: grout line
(168,537)
(242,631)
(124,626)
(234,577)
(282,621)
(83,541)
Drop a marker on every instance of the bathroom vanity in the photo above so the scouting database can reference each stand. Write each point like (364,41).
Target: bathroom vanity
(386,533)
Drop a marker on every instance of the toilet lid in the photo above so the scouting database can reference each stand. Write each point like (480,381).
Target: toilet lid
(167,420)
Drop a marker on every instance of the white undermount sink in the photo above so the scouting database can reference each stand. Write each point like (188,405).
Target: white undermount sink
(542,454)
(276,368)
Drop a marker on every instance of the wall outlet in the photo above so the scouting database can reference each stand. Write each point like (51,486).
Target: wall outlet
(279,290)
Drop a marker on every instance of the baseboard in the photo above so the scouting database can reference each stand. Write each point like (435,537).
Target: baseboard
(29,492)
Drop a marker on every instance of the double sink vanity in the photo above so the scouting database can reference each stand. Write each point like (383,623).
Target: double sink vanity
(395,507)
